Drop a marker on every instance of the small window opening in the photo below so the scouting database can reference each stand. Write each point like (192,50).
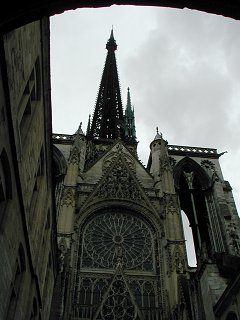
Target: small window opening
(191,253)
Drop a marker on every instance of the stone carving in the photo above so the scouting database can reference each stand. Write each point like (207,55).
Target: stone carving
(108,161)
(118,304)
(172,161)
(179,262)
(189,179)
(169,258)
(210,168)
(62,246)
(112,237)
(119,184)
(170,204)
(175,257)
(74,156)
(208,164)
(234,241)
(68,198)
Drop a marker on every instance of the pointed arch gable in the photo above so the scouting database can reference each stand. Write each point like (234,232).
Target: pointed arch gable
(119,183)
(191,165)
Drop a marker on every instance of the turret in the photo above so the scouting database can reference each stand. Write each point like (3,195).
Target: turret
(160,166)
(74,173)
(156,148)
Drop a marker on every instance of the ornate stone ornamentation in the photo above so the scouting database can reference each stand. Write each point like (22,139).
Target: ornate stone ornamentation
(118,304)
(172,161)
(74,156)
(189,176)
(208,164)
(111,158)
(172,205)
(169,205)
(179,262)
(68,198)
(210,168)
(111,237)
(233,237)
(119,184)
(108,161)
(169,258)
(62,245)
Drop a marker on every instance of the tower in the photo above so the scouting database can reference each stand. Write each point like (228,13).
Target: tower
(120,234)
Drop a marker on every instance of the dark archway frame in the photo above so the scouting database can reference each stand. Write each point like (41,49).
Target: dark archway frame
(193,202)
(16,14)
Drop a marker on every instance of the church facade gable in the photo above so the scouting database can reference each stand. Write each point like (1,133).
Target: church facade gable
(118,181)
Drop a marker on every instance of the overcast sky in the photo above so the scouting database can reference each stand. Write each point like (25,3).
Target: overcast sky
(182,67)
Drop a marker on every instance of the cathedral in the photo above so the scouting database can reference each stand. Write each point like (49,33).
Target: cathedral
(87,232)
(120,234)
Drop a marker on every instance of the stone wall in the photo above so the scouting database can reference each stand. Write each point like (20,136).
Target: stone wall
(27,246)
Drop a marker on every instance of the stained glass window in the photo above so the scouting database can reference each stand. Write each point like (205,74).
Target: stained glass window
(112,237)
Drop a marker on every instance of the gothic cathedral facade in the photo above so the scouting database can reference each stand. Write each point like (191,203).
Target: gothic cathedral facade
(120,232)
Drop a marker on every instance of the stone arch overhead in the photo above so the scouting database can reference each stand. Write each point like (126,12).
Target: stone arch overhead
(59,162)
(135,208)
(14,15)
(193,166)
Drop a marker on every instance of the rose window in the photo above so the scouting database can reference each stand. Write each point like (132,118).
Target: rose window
(110,238)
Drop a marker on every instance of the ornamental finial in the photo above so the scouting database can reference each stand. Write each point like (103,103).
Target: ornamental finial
(111,44)
(158,136)
(80,128)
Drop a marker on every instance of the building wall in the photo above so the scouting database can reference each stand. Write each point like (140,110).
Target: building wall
(28,217)
(183,292)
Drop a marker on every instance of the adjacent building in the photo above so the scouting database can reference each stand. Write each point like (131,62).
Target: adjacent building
(28,251)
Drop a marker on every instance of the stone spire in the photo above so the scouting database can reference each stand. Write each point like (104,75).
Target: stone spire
(108,121)
(129,120)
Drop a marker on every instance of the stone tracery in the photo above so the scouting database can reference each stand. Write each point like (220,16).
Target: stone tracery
(112,236)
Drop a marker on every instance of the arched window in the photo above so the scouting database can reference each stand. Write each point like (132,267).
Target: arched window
(191,253)
(192,182)
(117,243)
